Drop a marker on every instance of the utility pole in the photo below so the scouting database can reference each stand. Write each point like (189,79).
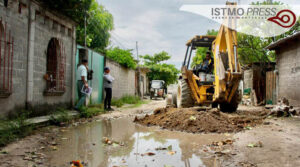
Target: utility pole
(138,71)
(85,28)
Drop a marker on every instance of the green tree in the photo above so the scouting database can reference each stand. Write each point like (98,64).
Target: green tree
(124,57)
(160,70)
(99,23)
(201,51)
(252,48)
(99,20)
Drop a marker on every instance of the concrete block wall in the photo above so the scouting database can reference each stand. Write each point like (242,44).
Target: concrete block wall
(17,23)
(124,83)
(288,64)
(46,25)
(45,30)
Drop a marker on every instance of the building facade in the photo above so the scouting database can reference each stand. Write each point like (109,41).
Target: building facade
(37,57)
(288,68)
(144,81)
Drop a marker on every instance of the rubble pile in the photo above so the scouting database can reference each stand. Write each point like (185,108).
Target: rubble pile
(246,100)
(194,121)
(283,109)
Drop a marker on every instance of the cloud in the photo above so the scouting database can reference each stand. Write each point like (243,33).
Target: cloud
(159,25)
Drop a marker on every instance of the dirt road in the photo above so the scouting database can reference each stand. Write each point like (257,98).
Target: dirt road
(275,142)
(280,140)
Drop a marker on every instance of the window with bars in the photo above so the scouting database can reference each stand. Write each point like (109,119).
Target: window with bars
(56,64)
(6,60)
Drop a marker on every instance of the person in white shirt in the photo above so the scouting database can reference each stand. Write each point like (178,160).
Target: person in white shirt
(107,84)
(81,82)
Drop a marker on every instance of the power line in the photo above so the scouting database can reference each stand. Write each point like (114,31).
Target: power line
(122,39)
(125,46)
(112,37)
(119,43)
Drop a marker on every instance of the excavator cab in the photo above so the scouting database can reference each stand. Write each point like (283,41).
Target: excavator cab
(204,70)
(194,43)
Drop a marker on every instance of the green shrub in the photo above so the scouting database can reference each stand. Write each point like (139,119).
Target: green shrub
(130,99)
(88,112)
(127,99)
(117,102)
(10,130)
(97,105)
(61,116)
(123,57)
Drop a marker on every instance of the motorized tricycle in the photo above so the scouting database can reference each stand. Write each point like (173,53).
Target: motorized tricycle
(157,89)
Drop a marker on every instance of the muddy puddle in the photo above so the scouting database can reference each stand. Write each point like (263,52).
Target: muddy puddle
(84,143)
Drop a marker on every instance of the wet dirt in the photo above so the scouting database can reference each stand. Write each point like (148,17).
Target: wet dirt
(202,121)
(279,138)
(142,146)
(148,146)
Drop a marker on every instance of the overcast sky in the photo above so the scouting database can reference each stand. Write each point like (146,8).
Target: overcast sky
(158,25)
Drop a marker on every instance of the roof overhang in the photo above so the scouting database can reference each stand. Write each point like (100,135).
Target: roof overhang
(278,43)
(201,41)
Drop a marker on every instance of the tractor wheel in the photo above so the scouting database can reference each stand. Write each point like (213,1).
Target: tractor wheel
(233,105)
(184,96)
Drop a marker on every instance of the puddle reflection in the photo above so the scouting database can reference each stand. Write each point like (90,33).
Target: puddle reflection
(85,143)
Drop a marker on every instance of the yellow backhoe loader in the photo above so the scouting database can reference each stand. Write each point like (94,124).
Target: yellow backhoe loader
(220,86)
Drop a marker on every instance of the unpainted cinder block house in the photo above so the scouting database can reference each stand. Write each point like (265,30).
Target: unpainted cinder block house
(37,52)
(288,68)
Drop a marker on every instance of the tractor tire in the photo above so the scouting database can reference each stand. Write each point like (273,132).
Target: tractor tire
(184,95)
(233,105)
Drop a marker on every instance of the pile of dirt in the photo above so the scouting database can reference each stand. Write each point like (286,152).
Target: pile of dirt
(194,121)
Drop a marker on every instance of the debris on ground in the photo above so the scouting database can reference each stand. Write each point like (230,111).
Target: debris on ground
(283,109)
(246,100)
(168,166)
(220,148)
(3,152)
(148,153)
(108,141)
(194,121)
(258,144)
(247,164)
(172,152)
(169,148)
(76,164)
(248,128)
(54,148)
(160,148)
(221,143)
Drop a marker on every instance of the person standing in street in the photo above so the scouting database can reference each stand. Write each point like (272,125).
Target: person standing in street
(107,84)
(81,82)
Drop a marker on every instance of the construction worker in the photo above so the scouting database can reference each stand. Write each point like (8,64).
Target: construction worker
(206,66)
(107,84)
(81,82)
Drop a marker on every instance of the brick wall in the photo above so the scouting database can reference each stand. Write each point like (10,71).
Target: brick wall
(124,83)
(288,64)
